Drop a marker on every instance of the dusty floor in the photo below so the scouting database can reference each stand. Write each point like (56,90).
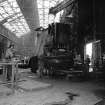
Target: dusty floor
(53,90)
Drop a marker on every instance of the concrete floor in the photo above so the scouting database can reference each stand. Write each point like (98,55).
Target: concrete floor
(87,92)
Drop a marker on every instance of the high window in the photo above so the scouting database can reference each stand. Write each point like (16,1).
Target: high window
(43,10)
(12,18)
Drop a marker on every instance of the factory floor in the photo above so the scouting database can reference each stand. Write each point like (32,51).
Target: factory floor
(32,90)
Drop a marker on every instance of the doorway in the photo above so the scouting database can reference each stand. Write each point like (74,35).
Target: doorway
(89,52)
(93,50)
(89,49)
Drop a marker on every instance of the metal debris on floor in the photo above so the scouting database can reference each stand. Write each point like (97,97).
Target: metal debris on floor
(102,102)
(67,101)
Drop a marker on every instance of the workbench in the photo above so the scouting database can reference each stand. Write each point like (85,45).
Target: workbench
(13,80)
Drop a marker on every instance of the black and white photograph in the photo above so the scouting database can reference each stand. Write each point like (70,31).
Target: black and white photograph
(52,52)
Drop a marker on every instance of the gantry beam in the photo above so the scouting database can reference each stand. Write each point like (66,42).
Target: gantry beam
(61,6)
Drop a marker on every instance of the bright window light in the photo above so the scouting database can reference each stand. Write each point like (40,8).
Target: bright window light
(43,10)
(89,49)
(15,21)
(57,18)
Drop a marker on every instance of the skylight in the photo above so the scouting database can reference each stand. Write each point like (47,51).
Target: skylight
(43,10)
(12,18)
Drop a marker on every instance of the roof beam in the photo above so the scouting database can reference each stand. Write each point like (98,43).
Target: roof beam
(9,17)
(61,6)
(3,21)
(1,1)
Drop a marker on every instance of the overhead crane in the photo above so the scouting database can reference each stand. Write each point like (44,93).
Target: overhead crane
(64,4)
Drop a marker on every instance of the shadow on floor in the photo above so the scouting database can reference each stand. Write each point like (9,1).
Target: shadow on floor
(67,101)
(99,93)
(102,102)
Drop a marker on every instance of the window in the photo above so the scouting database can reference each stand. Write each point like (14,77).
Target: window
(14,19)
(43,10)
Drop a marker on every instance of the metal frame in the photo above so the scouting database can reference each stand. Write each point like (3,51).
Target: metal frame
(12,18)
(61,6)
(43,9)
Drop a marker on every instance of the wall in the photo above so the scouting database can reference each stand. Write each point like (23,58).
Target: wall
(27,44)
(6,33)
(41,40)
(6,37)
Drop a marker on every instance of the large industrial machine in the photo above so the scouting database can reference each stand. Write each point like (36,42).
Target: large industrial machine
(58,52)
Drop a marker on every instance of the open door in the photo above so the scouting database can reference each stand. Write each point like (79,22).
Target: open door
(93,50)
(88,51)
(96,53)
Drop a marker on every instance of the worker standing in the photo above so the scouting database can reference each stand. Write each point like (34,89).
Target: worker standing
(9,55)
(87,62)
